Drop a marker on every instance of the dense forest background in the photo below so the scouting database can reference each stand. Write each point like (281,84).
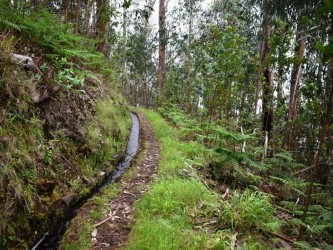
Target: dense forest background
(252,80)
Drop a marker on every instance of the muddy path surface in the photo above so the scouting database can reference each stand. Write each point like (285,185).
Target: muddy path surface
(112,231)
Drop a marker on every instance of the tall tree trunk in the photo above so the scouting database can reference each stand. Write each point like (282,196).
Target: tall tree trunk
(134,91)
(87,17)
(267,75)
(146,93)
(161,48)
(325,128)
(66,11)
(124,76)
(256,98)
(102,26)
(279,87)
(295,82)
(77,16)
(189,59)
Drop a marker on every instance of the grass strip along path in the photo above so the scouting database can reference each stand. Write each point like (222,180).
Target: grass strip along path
(171,215)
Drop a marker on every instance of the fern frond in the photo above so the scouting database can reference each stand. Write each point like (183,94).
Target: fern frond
(303,245)
(10,25)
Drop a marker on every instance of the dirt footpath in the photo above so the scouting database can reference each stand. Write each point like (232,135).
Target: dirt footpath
(113,231)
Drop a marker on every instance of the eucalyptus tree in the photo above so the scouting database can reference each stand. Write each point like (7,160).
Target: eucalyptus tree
(192,8)
(139,54)
(325,46)
(225,59)
(162,38)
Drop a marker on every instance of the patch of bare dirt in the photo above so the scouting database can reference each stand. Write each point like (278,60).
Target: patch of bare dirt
(113,231)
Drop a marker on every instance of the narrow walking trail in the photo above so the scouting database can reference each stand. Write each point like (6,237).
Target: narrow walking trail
(113,231)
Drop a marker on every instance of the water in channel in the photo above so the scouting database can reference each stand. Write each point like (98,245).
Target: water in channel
(52,238)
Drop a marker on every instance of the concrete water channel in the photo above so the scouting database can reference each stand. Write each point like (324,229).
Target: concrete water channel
(52,238)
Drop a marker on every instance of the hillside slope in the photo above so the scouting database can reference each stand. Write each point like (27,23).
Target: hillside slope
(63,126)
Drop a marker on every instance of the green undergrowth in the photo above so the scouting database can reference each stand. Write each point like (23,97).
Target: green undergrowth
(181,212)
(234,161)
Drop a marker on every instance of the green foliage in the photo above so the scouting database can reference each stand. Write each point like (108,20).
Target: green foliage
(173,197)
(240,161)
(290,183)
(302,245)
(249,211)
(70,80)
(69,54)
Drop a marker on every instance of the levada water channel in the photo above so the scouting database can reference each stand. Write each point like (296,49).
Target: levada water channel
(52,238)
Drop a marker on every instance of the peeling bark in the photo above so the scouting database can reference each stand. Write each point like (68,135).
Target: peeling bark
(296,72)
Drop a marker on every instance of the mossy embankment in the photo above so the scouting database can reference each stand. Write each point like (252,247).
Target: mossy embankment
(62,129)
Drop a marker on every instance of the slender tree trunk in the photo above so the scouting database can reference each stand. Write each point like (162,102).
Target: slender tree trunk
(330,143)
(94,14)
(66,11)
(189,60)
(125,77)
(77,16)
(267,75)
(146,93)
(134,91)
(295,82)
(161,48)
(256,98)
(87,17)
(102,26)
(279,89)
(296,75)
